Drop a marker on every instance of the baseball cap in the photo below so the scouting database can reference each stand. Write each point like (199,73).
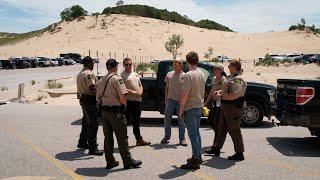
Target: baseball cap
(218,66)
(111,63)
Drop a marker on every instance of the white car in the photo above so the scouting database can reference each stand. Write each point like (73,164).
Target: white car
(223,58)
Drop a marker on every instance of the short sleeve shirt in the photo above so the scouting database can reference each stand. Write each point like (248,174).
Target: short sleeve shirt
(234,84)
(132,82)
(194,82)
(113,90)
(174,82)
(85,79)
(217,83)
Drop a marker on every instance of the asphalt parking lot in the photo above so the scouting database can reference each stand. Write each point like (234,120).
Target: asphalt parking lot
(39,142)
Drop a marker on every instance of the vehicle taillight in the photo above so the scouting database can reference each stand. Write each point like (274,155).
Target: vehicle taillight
(304,95)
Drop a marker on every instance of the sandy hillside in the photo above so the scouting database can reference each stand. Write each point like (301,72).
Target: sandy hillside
(138,36)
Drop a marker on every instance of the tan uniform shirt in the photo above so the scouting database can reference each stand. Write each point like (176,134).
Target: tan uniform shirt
(174,82)
(234,84)
(132,82)
(114,89)
(217,83)
(194,82)
(85,79)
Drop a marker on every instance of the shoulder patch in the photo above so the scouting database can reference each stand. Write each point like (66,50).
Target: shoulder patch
(121,81)
(237,81)
(90,76)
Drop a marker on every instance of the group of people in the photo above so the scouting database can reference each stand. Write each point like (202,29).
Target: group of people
(119,100)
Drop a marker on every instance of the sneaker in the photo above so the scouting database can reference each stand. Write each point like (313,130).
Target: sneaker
(236,157)
(200,160)
(142,142)
(112,164)
(214,151)
(165,140)
(183,143)
(192,164)
(133,164)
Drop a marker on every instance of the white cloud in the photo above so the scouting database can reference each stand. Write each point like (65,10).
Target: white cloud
(242,15)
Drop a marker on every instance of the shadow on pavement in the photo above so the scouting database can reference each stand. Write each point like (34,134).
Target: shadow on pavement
(218,162)
(164,146)
(262,125)
(175,173)
(76,155)
(96,171)
(303,147)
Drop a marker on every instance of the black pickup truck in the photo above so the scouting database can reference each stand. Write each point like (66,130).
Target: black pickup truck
(259,97)
(298,103)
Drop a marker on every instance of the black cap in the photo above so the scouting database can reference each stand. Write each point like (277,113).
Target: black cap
(111,63)
(87,61)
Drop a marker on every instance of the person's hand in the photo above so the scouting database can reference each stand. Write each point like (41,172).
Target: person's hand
(206,104)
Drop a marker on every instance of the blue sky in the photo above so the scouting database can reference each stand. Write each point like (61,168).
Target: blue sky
(239,15)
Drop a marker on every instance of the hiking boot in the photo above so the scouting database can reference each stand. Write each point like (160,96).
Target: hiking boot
(95,152)
(133,164)
(112,164)
(141,142)
(214,151)
(83,146)
(165,140)
(192,164)
(237,157)
(183,143)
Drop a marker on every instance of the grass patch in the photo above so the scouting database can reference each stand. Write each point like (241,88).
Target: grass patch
(54,84)
(267,61)
(258,74)
(3,88)
(40,97)
(33,82)
(318,77)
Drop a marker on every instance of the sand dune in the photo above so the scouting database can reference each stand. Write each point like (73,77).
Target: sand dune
(138,36)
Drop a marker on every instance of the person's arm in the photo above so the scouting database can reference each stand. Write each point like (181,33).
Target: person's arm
(183,102)
(91,83)
(166,94)
(99,93)
(140,92)
(209,97)
(122,91)
(123,99)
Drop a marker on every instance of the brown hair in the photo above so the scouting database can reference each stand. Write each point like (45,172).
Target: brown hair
(192,58)
(126,59)
(236,64)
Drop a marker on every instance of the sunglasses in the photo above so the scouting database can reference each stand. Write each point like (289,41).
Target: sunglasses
(127,64)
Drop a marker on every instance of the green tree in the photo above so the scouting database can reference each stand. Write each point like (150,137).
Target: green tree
(173,44)
(72,13)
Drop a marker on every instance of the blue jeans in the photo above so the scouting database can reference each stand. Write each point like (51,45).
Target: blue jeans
(192,117)
(171,107)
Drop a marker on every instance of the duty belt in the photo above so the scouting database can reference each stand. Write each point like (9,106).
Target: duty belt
(239,102)
(88,98)
(114,109)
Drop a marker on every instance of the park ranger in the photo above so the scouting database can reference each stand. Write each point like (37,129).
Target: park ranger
(111,93)
(232,109)
(86,87)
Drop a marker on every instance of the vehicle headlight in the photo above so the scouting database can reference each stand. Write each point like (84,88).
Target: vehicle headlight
(272,95)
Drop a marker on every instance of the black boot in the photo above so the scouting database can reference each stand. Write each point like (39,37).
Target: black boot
(82,145)
(133,164)
(95,152)
(112,164)
(200,159)
(192,164)
(238,156)
(214,151)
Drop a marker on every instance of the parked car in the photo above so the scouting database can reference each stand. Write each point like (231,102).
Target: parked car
(20,63)
(7,64)
(33,62)
(315,58)
(272,57)
(74,56)
(259,97)
(306,58)
(65,61)
(54,62)
(223,58)
(44,62)
(298,103)
(1,67)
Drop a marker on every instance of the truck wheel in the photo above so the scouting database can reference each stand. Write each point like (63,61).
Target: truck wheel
(253,114)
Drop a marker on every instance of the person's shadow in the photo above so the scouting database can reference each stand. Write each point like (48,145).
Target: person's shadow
(218,162)
(96,171)
(175,173)
(76,155)
(164,146)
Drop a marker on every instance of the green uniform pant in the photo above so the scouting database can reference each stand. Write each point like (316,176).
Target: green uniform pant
(115,122)
(230,117)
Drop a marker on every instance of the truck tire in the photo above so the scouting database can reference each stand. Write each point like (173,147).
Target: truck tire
(253,114)
(315,132)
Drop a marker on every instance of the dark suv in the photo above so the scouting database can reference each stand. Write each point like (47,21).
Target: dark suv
(20,63)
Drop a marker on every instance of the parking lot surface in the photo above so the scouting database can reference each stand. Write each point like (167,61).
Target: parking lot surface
(39,142)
